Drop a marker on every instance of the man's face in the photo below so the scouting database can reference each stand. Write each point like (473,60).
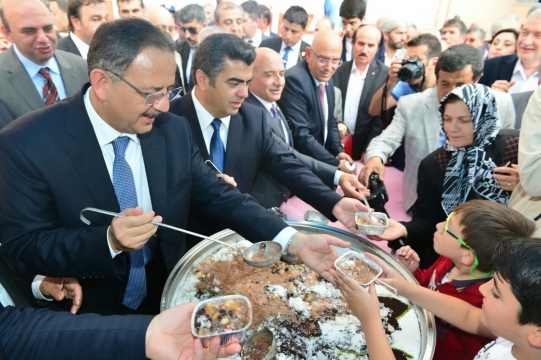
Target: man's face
(249,26)
(90,18)
(269,78)
(472,39)
(366,45)
(320,60)
(420,52)
(152,71)
(350,25)
(32,30)
(451,35)
(397,38)
(60,18)
(230,89)
(231,21)
(133,8)
(291,33)
(529,40)
(209,11)
(190,31)
(448,81)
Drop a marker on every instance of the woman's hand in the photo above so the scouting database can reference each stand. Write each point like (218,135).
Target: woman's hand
(508,177)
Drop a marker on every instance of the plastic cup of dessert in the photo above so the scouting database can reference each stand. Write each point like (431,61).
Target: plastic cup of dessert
(366,225)
(213,314)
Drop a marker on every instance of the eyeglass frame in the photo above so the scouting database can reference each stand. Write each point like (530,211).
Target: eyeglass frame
(171,93)
(463,243)
(326,61)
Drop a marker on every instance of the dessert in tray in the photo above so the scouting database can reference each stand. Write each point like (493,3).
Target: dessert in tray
(308,316)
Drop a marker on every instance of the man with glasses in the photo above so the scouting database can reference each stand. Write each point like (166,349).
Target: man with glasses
(308,100)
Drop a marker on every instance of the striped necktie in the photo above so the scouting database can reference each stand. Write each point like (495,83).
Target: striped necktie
(49,92)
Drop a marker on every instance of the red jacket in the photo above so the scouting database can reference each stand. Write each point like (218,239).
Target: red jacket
(453,343)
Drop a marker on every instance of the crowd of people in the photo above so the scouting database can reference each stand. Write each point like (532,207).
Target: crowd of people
(122,115)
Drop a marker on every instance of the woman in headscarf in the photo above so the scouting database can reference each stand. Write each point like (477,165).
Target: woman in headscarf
(475,163)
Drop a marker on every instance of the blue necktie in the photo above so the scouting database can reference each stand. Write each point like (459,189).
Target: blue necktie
(127,198)
(217,151)
(286,54)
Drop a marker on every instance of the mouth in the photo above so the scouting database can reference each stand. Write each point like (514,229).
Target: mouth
(44,49)
(236,104)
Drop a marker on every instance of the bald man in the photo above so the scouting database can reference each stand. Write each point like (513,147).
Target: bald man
(308,100)
(29,25)
(162,18)
(324,23)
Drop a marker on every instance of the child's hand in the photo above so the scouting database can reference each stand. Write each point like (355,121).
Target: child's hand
(389,275)
(364,304)
(409,258)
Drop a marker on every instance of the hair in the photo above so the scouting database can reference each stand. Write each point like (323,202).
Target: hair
(117,44)
(264,13)
(457,57)
(209,30)
(191,12)
(215,50)
(3,18)
(456,22)
(140,1)
(227,5)
(63,4)
(505,22)
(297,15)
(485,223)
(533,8)
(326,18)
(251,8)
(354,37)
(389,24)
(516,261)
(512,31)
(353,9)
(74,8)
(432,43)
(477,30)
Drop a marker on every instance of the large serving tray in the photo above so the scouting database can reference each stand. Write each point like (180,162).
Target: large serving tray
(426,319)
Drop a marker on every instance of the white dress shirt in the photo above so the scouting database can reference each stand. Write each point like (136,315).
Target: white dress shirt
(5,299)
(522,83)
(257,39)
(32,70)
(326,112)
(189,64)
(134,156)
(81,45)
(353,96)
(293,55)
(349,48)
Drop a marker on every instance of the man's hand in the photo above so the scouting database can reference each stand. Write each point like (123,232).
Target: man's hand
(343,166)
(344,156)
(317,252)
(345,211)
(374,165)
(502,85)
(352,187)
(395,67)
(63,288)
(508,177)
(133,231)
(169,336)
(409,258)
(394,231)
(228,179)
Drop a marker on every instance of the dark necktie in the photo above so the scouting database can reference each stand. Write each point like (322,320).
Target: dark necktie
(127,198)
(250,41)
(217,151)
(321,91)
(286,55)
(277,118)
(49,92)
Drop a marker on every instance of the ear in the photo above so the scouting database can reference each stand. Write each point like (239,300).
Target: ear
(433,62)
(100,80)
(204,25)
(534,338)
(7,34)
(467,258)
(75,22)
(203,81)
(386,36)
(308,51)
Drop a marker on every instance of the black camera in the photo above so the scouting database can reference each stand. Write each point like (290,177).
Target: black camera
(378,194)
(412,68)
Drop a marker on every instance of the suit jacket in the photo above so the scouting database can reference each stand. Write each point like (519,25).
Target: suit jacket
(45,334)
(520,100)
(367,127)
(266,184)
(300,103)
(416,124)
(18,289)
(184,51)
(498,68)
(252,149)
(18,90)
(51,167)
(68,45)
(275,43)
(6,116)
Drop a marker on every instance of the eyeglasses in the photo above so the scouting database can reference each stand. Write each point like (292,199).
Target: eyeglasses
(191,29)
(151,99)
(462,242)
(326,61)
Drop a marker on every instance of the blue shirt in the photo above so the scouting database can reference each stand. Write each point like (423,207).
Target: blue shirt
(403,88)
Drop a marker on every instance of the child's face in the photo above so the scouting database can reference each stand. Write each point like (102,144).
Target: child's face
(342,129)
(445,244)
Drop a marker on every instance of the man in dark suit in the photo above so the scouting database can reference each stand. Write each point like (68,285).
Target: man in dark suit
(308,100)
(352,13)
(520,100)
(252,34)
(33,65)
(358,80)
(93,150)
(6,116)
(518,72)
(265,21)
(290,46)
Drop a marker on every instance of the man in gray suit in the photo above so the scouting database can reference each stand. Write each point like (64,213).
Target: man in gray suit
(416,120)
(520,100)
(265,89)
(32,73)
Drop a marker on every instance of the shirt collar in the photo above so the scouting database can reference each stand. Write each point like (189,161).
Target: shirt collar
(520,69)
(81,45)
(204,117)
(104,132)
(295,48)
(257,38)
(265,103)
(460,285)
(32,68)
(355,71)
(317,81)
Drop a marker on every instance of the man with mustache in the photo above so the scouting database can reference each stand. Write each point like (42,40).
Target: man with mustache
(395,33)
(517,72)
(33,73)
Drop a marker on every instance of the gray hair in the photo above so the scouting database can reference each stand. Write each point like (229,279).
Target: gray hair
(389,24)
(209,30)
(62,4)
(191,12)
(480,32)
(534,13)
(532,9)
(228,5)
(505,22)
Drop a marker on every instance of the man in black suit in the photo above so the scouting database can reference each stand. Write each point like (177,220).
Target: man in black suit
(517,72)
(265,21)
(290,46)
(358,80)
(520,100)
(93,150)
(308,100)
(252,34)
(352,13)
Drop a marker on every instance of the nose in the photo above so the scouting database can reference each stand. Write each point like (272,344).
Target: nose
(42,36)
(242,91)
(483,289)
(162,105)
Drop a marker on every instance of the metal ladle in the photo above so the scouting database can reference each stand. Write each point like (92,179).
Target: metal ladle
(261,254)
(261,343)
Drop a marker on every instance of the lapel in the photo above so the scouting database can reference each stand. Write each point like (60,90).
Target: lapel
(154,157)
(68,75)
(371,73)
(304,45)
(343,77)
(315,95)
(185,55)
(20,81)
(234,138)
(187,111)
(287,125)
(72,47)
(431,125)
(509,66)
